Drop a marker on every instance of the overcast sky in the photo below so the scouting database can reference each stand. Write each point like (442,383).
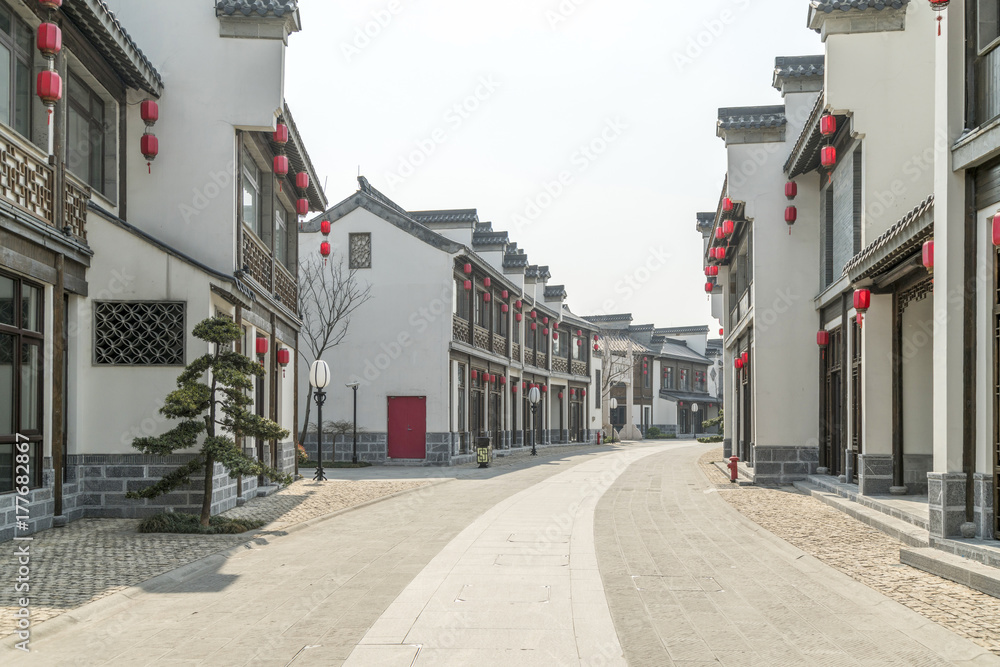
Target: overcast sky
(585,128)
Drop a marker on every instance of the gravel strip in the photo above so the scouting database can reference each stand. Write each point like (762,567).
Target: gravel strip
(863,553)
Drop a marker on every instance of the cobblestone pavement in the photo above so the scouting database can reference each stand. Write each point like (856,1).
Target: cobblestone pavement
(91,559)
(691,582)
(863,553)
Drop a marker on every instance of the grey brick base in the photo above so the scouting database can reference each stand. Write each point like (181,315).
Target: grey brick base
(983,505)
(946,502)
(915,469)
(874,474)
(784,465)
(727,448)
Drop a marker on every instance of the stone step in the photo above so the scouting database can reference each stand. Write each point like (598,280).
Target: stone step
(264,491)
(897,528)
(850,492)
(961,570)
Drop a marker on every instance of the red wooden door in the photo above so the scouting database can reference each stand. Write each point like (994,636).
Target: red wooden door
(407,427)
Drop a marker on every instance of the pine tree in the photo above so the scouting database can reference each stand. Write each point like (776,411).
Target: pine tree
(217,409)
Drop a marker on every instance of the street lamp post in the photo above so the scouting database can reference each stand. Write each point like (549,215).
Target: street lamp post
(319,378)
(534,396)
(694,411)
(614,406)
(354,450)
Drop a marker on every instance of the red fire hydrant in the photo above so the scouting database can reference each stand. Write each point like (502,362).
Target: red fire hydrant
(733,468)
(599,434)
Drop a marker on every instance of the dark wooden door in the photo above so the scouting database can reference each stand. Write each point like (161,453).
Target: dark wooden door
(407,427)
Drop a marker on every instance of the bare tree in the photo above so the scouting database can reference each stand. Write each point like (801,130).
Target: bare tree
(329,293)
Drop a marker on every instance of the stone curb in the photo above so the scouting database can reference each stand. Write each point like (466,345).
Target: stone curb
(133,594)
(919,628)
(977,576)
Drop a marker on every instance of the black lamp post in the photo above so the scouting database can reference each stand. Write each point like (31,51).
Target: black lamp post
(534,396)
(354,455)
(319,378)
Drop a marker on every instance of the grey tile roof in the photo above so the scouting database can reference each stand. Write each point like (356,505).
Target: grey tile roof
(673,349)
(675,331)
(515,258)
(538,272)
(900,240)
(96,20)
(259,7)
(597,319)
(797,67)
(751,118)
(470,216)
(367,188)
(804,156)
(688,397)
(555,292)
(483,235)
(862,5)
(619,344)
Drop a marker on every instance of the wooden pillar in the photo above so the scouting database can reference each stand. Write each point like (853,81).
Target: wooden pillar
(58,384)
(845,382)
(238,318)
(897,392)
(273,384)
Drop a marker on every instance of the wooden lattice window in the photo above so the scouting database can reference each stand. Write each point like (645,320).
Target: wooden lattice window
(361,251)
(139,333)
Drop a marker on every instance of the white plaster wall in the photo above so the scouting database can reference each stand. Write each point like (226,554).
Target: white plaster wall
(189,200)
(886,80)
(918,375)
(985,326)
(113,405)
(397,343)
(696,342)
(876,394)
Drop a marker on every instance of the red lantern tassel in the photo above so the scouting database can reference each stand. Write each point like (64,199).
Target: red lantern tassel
(149,166)
(939,25)
(49,121)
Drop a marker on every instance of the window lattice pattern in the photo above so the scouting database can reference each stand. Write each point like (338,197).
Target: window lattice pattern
(139,334)
(361,251)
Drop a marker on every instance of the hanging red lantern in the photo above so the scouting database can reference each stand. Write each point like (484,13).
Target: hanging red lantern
(560,395)
(996,230)
(545,388)
(722,332)
(791,215)
(555,335)
(823,338)
(505,308)
(555,325)
(791,190)
(505,294)
(828,156)
(545,320)
(939,6)
(49,39)
(720,254)
(862,300)
(709,287)
(324,227)
(595,347)
(928,256)
(475,374)
(324,249)
(467,269)
(261,349)
(579,342)
(150,147)
(719,234)
(583,392)
(503,379)
(738,363)
(534,327)
(486,297)
(468,285)
(284,358)
(517,304)
(518,316)
(727,205)
(711,271)
(828,125)
(513,388)
(487,282)
(302,207)
(149,111)
(281,134)
(280,165)
(49,87)
(572,393)
(302,180)
(545,331)
(534,315)
(728,227)
(595,338)
(745,358)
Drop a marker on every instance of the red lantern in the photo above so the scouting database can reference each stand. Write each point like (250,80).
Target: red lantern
(722,332)
(324,227)
(545,389)
(505,308)
(486,297)
(823,338)
(503,379)
(595,338)
(49,87)
(517,304)
(467,269)
(261,346)
(727,205)
(791,215)
(281,134)
(560,395)
(468,285)
(555,335)
(518,316)
(284,357)
(49,39)
(280,165)
(150,147)
(579,332)
(739,364)
(711,271)
(595,347)
(487,282)
(505,294)
(928,256)
(149,111)
(572,393)
(583,392)
(534,315)
(579,342)
(791,190)
(475,374)
(720,254)
(996,230)
(302,180)
(709,287)
(719,234)
(862,300)
(513,389)
(828,125)
(555,325)
(828,156)
(728,227)
(939,6)
(302,207)
(324,249)
(545,331)
(50,4)
(534,327)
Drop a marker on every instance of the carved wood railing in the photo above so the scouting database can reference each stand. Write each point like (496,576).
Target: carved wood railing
(286,288)
(540,359)
(460,331)
(482,338)
(26,180)
(75,197)
(560,365)
(579,367)
(499,344)
(257,260)
(516,351)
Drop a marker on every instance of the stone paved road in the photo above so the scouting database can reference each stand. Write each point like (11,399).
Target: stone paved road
(691,582)
(864,554)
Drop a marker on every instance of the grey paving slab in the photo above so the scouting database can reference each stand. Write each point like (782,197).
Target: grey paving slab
(691,581)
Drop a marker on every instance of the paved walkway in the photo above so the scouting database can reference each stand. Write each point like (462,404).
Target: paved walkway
(692,582)
(307,597)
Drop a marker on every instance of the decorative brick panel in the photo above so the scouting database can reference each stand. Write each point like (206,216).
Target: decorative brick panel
(579,368)
(77,196)
(286,289)
(26,181)
(460,331)
(257,260)
(482,338)
(560,365)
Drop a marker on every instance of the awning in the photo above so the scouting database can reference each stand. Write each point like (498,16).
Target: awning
(898,244)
